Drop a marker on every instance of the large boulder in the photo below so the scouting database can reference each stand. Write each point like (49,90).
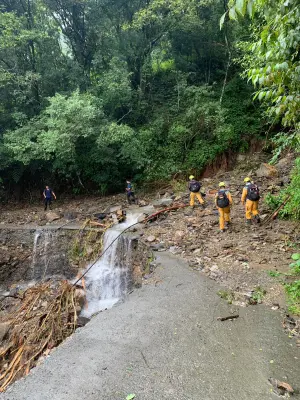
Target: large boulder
(162,203)
(266,171)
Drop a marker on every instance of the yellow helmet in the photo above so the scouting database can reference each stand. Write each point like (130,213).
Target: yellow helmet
(247,179)
(191,177)
(221,184)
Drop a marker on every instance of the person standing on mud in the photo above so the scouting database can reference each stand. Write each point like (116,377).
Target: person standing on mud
(194,188)
(251,197)
(223,201)
(130,192)
(48,193)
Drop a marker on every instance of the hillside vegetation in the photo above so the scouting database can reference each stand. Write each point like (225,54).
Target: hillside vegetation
(92,92)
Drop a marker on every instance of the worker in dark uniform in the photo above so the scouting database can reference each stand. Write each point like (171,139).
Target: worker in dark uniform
(48,193)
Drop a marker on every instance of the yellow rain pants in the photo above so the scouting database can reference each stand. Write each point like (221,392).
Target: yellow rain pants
(192,198)
(224,216)
(251,208)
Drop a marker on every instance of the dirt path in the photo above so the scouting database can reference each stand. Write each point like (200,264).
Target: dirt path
(165,342)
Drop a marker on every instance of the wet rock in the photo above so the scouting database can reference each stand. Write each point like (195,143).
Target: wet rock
(82,321)
(115,209)
(52,216)
(162,203)
(175,249)
(151,238)
(267,171)
(143,203)
(4,327)
(141,218)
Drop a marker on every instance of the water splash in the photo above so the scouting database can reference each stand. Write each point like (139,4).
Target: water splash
(107,282)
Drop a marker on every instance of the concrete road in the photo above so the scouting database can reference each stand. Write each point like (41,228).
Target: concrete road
(165,342)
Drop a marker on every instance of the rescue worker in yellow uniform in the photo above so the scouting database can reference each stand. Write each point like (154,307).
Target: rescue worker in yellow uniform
(194,188)
(250,197)
(223,201)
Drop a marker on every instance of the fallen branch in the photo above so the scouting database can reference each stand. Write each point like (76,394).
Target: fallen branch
(276,212)
(174,207)
(97,224)
(229,317)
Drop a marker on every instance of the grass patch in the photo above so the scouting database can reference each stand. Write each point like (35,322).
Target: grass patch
(292,289)
(228,296)
(258,294)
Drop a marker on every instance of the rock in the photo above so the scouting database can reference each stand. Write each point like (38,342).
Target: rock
(162,203)
(241,157)
(70,215)
(280,387)
(267,171)
(143,203)
(52,216)
(158,247)
(175,249)
(141,218)
(227,245)
(197,251)
(89,251)
(214,268)
(115,209)
(179,235)
(82,321)
(4,327)
(151,238)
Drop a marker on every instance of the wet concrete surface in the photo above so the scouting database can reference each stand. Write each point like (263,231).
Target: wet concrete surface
(165,342)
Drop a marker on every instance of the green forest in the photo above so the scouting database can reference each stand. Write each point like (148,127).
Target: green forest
(94,91)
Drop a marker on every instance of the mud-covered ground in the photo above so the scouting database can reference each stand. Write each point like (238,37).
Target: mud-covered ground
(241,258)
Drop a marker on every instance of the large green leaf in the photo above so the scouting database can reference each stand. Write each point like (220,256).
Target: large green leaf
(222,19)
(241,6)
(232,13)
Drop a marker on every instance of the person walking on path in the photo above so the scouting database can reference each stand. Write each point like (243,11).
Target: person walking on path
(48,193)
(130,192)
(194,188)
(250,197)
(223,201)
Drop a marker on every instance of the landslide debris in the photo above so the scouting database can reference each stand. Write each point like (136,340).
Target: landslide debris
(44,316)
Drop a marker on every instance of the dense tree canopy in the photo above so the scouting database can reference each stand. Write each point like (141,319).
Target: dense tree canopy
(97,90)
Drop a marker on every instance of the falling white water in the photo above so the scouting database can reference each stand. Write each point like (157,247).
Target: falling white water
(40,257)
(107,280)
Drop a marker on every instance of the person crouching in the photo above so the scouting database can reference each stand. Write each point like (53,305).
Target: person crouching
(223,201)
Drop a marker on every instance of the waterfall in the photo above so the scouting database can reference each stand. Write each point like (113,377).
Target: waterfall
(107,281)
(41,250)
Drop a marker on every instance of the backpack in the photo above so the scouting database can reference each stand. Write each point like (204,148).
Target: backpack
(253,192)
(222,199)
(195,186)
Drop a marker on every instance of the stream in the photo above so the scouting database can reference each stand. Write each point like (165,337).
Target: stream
(109,279)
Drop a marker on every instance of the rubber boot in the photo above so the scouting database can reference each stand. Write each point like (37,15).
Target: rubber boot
(248,221)
(257,218)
